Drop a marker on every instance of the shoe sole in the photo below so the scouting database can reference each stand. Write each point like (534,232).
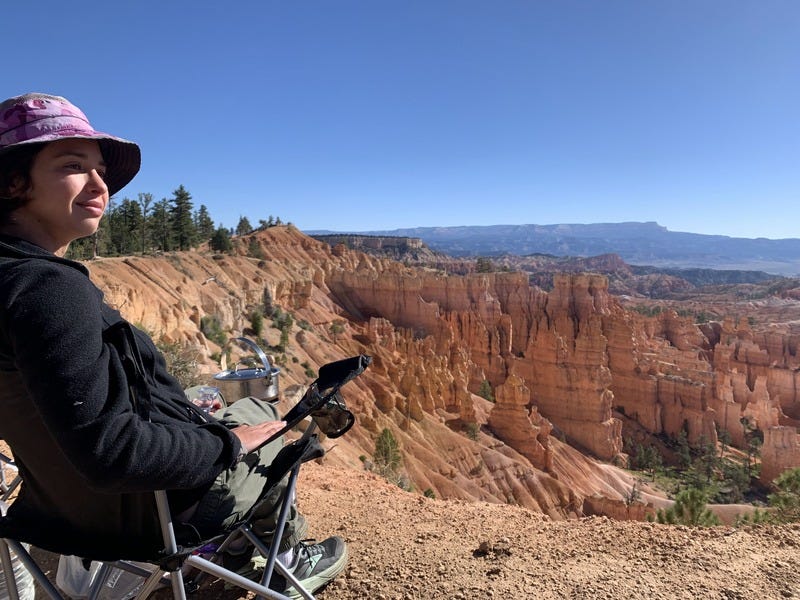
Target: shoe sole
(312,584)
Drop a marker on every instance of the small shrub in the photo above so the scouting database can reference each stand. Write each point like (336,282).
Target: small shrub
(303,324)
(786,500)
(472,430)
(485,391)
(429,493)
(476,470)
(283,345)
(652,311)
(336,328)
(689,509)
(254,249)
(387,458)
(257,323)
(181,363)
(633,495)
(484,265)
(211,327)
(756,517)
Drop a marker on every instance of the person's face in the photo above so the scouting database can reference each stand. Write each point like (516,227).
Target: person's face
(67,195)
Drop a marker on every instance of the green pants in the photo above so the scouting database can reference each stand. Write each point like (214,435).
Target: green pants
(236,490)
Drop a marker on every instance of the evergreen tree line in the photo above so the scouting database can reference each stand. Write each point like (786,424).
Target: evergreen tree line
(143,226)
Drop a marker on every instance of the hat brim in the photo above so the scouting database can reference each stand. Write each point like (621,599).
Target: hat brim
(122,157)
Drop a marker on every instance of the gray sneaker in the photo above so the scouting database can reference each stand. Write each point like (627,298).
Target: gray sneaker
(314,566)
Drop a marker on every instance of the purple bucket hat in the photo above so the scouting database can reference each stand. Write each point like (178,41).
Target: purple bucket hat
(36,118)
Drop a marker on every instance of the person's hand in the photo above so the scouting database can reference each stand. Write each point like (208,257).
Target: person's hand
(252,436)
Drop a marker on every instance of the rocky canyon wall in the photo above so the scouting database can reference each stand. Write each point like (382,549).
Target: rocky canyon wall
(557,362)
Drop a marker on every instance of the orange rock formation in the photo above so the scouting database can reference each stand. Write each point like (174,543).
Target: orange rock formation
(558,362)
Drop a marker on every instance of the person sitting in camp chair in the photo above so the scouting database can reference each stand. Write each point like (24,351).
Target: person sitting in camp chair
(95,421)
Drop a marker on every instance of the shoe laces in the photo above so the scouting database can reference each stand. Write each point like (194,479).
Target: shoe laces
(306,550)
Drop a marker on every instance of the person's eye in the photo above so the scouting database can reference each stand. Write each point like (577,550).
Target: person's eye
(73,166)
(102,174)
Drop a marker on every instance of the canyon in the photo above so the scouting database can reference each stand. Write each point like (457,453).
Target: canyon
(567,367)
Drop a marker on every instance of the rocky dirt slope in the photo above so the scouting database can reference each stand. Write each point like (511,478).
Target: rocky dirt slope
(408,546)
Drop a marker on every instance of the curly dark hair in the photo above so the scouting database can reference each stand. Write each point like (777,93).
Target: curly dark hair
(15,177)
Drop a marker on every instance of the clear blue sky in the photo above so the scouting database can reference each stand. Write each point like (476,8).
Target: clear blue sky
(372,114)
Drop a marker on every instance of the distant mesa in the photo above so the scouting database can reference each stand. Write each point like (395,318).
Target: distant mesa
(636,243)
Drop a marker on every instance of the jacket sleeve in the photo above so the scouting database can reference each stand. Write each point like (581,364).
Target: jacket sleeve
(52,321)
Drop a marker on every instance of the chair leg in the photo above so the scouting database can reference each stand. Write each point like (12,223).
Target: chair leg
(99,581)
(216,570)
(8,571)
(288,494)
(33,568)
(8,488)
(150,585)
(178,589)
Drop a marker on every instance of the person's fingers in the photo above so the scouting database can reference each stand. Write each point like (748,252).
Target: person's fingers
(252,436)
(271,427)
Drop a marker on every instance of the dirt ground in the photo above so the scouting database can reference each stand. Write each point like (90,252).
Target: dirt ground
(404,545)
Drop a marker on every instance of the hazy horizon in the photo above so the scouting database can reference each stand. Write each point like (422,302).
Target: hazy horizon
(313,231)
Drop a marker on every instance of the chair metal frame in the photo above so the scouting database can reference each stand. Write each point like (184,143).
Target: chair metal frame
(7,487)
(157,578)
(175,559)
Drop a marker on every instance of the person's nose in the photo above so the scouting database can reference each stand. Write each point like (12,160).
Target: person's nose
(96,183)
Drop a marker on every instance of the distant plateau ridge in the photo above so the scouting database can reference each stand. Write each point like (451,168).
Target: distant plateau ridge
(636,243)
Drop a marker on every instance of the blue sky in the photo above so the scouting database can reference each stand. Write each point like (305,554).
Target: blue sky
(373,114)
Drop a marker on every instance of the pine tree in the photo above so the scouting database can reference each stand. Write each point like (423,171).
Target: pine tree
(786,499)
(159,226)
(483,265)
(144,202)
(689,509)
(181,222)
(244,227)
(125,222)
(204,224)
(221,241)
(485,391)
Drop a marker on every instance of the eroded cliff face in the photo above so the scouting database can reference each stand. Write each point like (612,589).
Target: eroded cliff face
(557,362)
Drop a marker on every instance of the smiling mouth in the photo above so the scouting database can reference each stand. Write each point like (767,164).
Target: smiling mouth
(94,207)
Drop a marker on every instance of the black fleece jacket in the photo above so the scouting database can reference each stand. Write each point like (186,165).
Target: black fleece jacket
(86,452)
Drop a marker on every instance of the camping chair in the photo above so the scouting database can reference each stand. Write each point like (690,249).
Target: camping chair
(324,404)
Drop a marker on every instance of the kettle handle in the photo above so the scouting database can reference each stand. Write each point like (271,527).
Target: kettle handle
(257,349)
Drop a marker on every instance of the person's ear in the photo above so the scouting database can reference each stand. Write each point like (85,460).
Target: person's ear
(17,188)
